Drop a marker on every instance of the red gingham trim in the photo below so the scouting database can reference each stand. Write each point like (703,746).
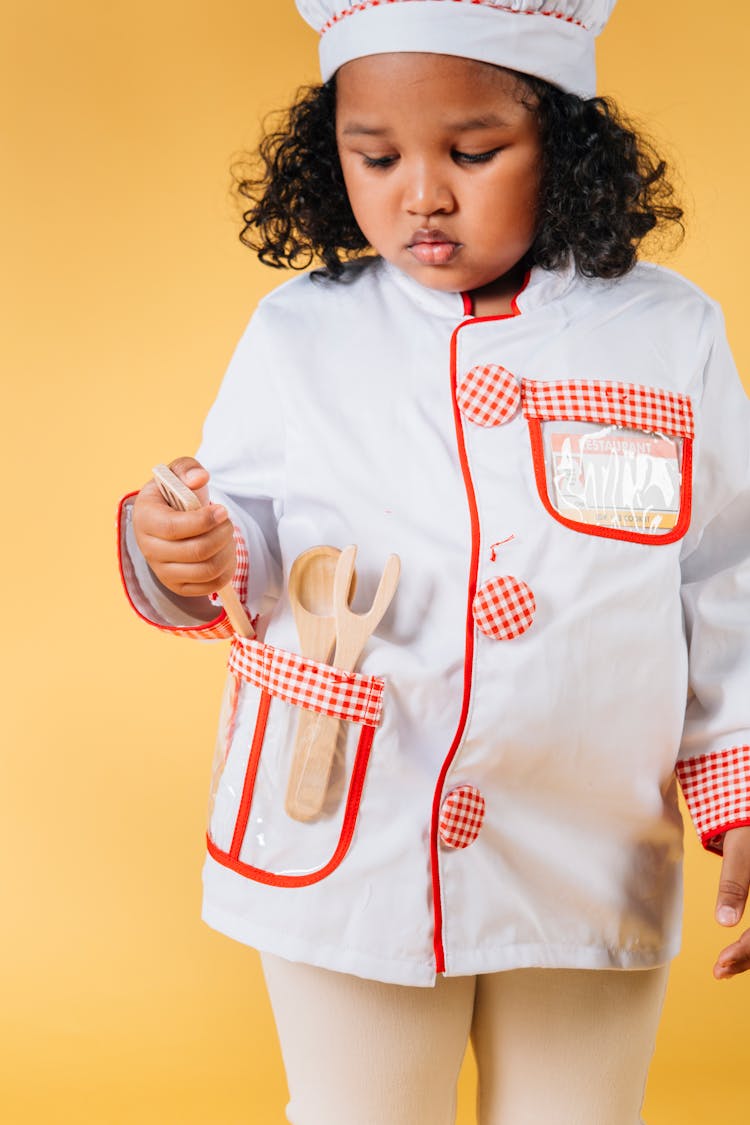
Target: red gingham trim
(308,683)
(504,607)
(488,395)
(716,787)
(461,816)
(480,3)
(619,404)
(241,571)
(218,630)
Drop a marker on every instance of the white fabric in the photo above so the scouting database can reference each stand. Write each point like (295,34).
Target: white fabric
(335,425)
(553,1046)
(552,39)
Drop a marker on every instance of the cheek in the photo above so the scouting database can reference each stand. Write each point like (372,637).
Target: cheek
(518,197)
(367,203)
(355,188)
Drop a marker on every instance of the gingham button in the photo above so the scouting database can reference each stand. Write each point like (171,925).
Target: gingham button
(461,817)
(488,395)
(504,607)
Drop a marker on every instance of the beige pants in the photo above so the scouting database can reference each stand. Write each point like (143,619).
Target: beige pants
(553,1046)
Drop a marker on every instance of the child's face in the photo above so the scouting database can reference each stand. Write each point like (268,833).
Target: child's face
(442,165)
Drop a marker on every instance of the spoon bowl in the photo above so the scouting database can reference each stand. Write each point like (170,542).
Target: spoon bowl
(311,581)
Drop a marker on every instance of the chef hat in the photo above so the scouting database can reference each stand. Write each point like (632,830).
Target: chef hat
(552,39)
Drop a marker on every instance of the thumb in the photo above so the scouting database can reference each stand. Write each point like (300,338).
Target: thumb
(192,473)
(735,877)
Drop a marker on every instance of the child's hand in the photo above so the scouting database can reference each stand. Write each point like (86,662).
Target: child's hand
(191,553)
(730,904)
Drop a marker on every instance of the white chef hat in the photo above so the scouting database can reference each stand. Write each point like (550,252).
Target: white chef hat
(551,39)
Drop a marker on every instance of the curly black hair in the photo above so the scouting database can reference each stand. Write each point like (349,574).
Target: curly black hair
(603,188)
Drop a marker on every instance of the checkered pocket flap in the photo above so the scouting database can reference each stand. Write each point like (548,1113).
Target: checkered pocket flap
(612,459)
(649,409)
(308,683)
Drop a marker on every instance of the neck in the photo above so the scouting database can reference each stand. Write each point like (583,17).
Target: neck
(496,299)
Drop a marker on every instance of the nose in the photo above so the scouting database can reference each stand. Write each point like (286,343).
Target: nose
(427,191)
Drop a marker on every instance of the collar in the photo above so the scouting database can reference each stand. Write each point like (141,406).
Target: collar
(542,287)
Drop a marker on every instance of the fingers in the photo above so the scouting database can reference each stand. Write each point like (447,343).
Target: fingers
(153,516)
(192,565)
(192,553)
(731,899)
(735,877)
(193,580)
(734,959)
(193,474)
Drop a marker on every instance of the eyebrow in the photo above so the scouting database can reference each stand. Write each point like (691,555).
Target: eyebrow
(487,121)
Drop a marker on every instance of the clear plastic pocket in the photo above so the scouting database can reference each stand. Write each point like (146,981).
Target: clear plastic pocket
(612,459)
(285,802)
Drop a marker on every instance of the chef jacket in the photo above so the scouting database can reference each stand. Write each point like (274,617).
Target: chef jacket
(568,490)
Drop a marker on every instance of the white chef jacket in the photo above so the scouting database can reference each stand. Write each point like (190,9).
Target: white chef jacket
(504,795)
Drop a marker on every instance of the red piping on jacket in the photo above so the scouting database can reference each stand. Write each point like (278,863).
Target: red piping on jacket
(231,859)
(469,650)
(686,497)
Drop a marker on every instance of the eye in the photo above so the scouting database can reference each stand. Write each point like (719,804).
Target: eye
(378,161)
(474,157)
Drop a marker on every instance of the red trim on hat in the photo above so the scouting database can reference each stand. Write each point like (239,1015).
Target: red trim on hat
(437,800)
(475,3)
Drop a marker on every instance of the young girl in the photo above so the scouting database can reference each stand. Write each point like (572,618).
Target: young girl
(553,441)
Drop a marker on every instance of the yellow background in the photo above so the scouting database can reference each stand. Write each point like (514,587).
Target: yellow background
(124,289)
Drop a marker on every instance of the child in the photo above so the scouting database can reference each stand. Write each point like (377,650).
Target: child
(553,440)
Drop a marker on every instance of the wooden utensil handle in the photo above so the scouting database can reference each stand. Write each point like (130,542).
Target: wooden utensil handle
(183,499)
(314,751)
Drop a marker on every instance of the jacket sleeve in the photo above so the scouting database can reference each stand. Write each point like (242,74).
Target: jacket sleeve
(714,760)
(243,450)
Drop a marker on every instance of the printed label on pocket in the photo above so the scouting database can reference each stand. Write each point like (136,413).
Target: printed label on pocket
(612,459)
(616,478)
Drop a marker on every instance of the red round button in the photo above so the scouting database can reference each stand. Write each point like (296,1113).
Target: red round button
(504,607)
(461,816)
(488,395)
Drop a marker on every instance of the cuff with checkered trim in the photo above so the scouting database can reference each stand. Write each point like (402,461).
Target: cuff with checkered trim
(153,603)
(241,572)
(716,788)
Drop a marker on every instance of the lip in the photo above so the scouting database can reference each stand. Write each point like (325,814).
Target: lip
(433,247)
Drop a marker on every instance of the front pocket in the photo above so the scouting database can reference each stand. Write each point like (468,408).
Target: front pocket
(290,702)
(612,459)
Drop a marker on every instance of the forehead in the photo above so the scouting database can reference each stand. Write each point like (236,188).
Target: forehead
(408,84)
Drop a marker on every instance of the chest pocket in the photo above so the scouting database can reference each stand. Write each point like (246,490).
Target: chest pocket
(612,459)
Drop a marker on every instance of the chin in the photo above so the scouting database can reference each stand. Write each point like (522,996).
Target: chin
(440,277)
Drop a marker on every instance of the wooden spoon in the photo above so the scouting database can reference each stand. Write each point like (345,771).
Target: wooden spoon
(311,597)
(183,499)
(309,783)
(310,586)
